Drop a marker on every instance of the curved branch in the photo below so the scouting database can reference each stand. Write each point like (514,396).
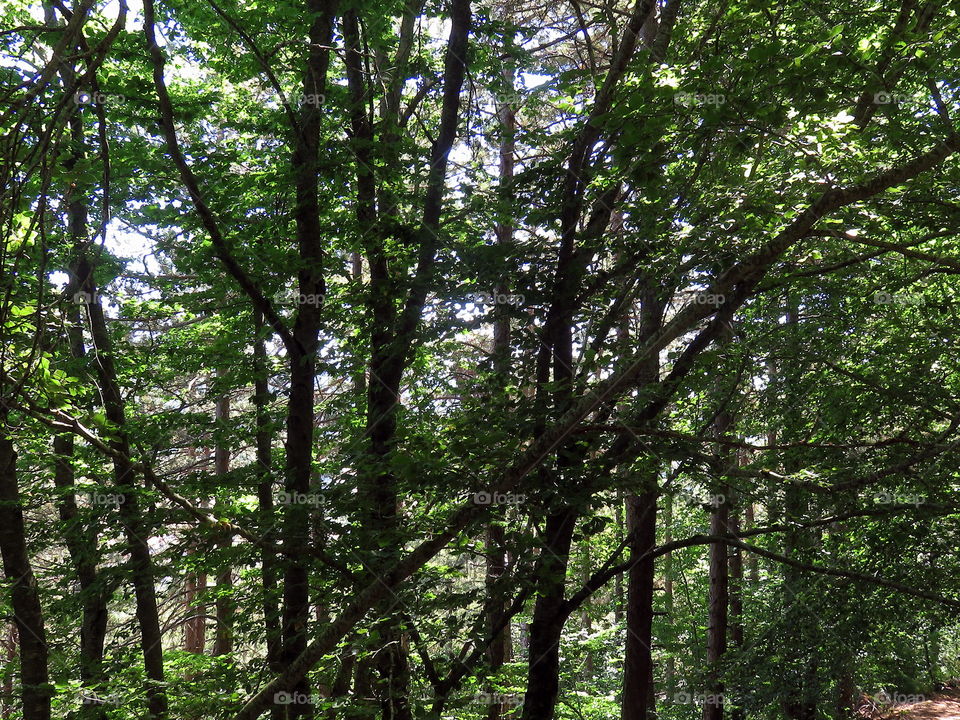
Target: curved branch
(221,248)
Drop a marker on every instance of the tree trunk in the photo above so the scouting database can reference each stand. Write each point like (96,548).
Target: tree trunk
(618,602)
(131,517)
(265,491)
(391,683)
(735,570)
(753,567)
(24,596)
(670,672)
(223,639)
(9,645)
(543,681)
(81,540)
(194,591)
(499,651)
(719,596)
(83,546)
(311,284)
(801,691)
(296,523)
(638,698)
(638,691)
(195,627)
(717,613)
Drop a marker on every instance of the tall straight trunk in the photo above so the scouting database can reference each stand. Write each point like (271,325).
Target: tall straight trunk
(82,545)
(638,697)
(194,595)
(131,517)
(36,690)
(9,645)
(736,583)
(296,522)
(265,491)
(753,567)
(638,692)
(719,595)
(498,651)
(543,674)
(195,627)
(391,681)
(717,614)
(670,672)
(311,284)
(801,692)
(586,623)
(735,570)
(223,638)
(618,520)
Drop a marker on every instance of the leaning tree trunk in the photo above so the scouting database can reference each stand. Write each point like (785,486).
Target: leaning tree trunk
(140,562)
(131,518)
(82,542)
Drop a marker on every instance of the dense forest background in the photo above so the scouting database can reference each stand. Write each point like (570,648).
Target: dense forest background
(489,360)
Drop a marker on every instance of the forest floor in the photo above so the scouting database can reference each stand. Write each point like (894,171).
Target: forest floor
(945,706)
